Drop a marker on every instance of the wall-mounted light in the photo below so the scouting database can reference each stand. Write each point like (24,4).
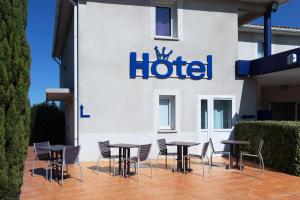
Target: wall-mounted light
(284,88)
(274,6)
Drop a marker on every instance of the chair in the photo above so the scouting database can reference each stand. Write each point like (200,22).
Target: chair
(258,155)
(143,153)
(41,154)
(213,151)
(202,156)
(106,154)
(70,157)
(163,151)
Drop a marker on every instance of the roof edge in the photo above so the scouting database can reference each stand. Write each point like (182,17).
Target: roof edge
(251,28)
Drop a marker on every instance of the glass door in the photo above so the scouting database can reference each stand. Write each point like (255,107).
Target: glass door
(216,118)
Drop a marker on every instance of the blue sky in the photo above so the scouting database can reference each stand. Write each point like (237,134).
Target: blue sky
(45,71)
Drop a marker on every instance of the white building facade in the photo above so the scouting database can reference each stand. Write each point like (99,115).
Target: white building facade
(137,71)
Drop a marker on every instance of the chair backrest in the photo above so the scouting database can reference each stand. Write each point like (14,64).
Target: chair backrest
(204,149)
(162,146)
(211,144)
(104,148)
(70,154)
(144,151)
(260,145)
(39,151)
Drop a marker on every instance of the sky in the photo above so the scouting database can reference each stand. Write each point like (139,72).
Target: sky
(40,28)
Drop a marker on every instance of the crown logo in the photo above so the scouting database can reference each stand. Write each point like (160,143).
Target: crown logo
(162,55)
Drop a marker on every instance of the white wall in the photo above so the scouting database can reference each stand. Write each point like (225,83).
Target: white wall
(248,44)
(123,109)
(67,81)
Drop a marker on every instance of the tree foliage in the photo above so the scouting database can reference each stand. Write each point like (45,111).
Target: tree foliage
(47,124)
(14,103)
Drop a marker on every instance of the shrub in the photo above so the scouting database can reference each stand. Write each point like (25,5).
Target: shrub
(14,103)
(281,148)
(47,124)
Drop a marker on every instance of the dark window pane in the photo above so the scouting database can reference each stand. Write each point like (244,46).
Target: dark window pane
(163,21)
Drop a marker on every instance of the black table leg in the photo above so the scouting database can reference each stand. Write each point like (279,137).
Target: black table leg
(120,160)
(166,162)
(185,152)
(237,154)
(128,163)
(179,158)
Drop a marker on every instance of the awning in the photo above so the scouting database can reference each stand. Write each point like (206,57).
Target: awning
(58,94)
(279,63)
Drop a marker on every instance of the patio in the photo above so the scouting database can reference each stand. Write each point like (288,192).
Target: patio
(218,183)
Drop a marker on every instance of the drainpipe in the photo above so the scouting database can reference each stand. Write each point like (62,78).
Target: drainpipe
(267,34)
(76,106)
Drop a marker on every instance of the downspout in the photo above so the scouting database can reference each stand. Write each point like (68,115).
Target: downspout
(76,106)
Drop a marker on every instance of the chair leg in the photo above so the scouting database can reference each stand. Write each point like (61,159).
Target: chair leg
(109,165)
(50,172)
(62,174)
(123,168)
(32,172)
(151,168)
(241,162)
(166,161)
(157,161)
(98,164)
(202,166)
(262,162)
(184,165)
(46,170)
(114,166)
(81,175)
(138,169)
(229,162)
(211,157)
(174,164)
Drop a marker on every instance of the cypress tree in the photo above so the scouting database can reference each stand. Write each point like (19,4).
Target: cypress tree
(14,103)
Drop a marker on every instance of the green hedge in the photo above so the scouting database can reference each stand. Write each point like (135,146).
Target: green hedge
(47,124)
(281,148)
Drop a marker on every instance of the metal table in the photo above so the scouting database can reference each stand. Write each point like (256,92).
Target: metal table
(124,152)
(182,150)
(55,154)
(235,152)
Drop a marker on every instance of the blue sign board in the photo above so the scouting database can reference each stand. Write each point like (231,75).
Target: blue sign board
(196,70)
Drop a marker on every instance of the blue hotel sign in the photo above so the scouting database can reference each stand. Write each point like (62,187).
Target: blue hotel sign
(195,70)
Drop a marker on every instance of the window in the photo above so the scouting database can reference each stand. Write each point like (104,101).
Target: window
(204,114)
(167,112)
(163,21)
(166,20)
(222,114)
(260,49)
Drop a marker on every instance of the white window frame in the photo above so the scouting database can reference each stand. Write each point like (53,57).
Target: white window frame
(170,113)
(175,111)
(233,111)
(210,109)
(175,23)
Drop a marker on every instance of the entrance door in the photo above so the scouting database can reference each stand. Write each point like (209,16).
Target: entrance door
(216,117)
(283,111)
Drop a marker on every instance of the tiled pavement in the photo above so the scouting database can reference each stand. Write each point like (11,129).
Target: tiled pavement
(218,183)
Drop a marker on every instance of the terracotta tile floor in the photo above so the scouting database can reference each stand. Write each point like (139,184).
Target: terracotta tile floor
(218,183)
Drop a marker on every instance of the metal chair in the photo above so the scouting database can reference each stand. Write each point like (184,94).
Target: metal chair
(106,154)
(41,154)
(163,151)
(213,151)
(258,155)
(70,157)
(143,153)
(202,156)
